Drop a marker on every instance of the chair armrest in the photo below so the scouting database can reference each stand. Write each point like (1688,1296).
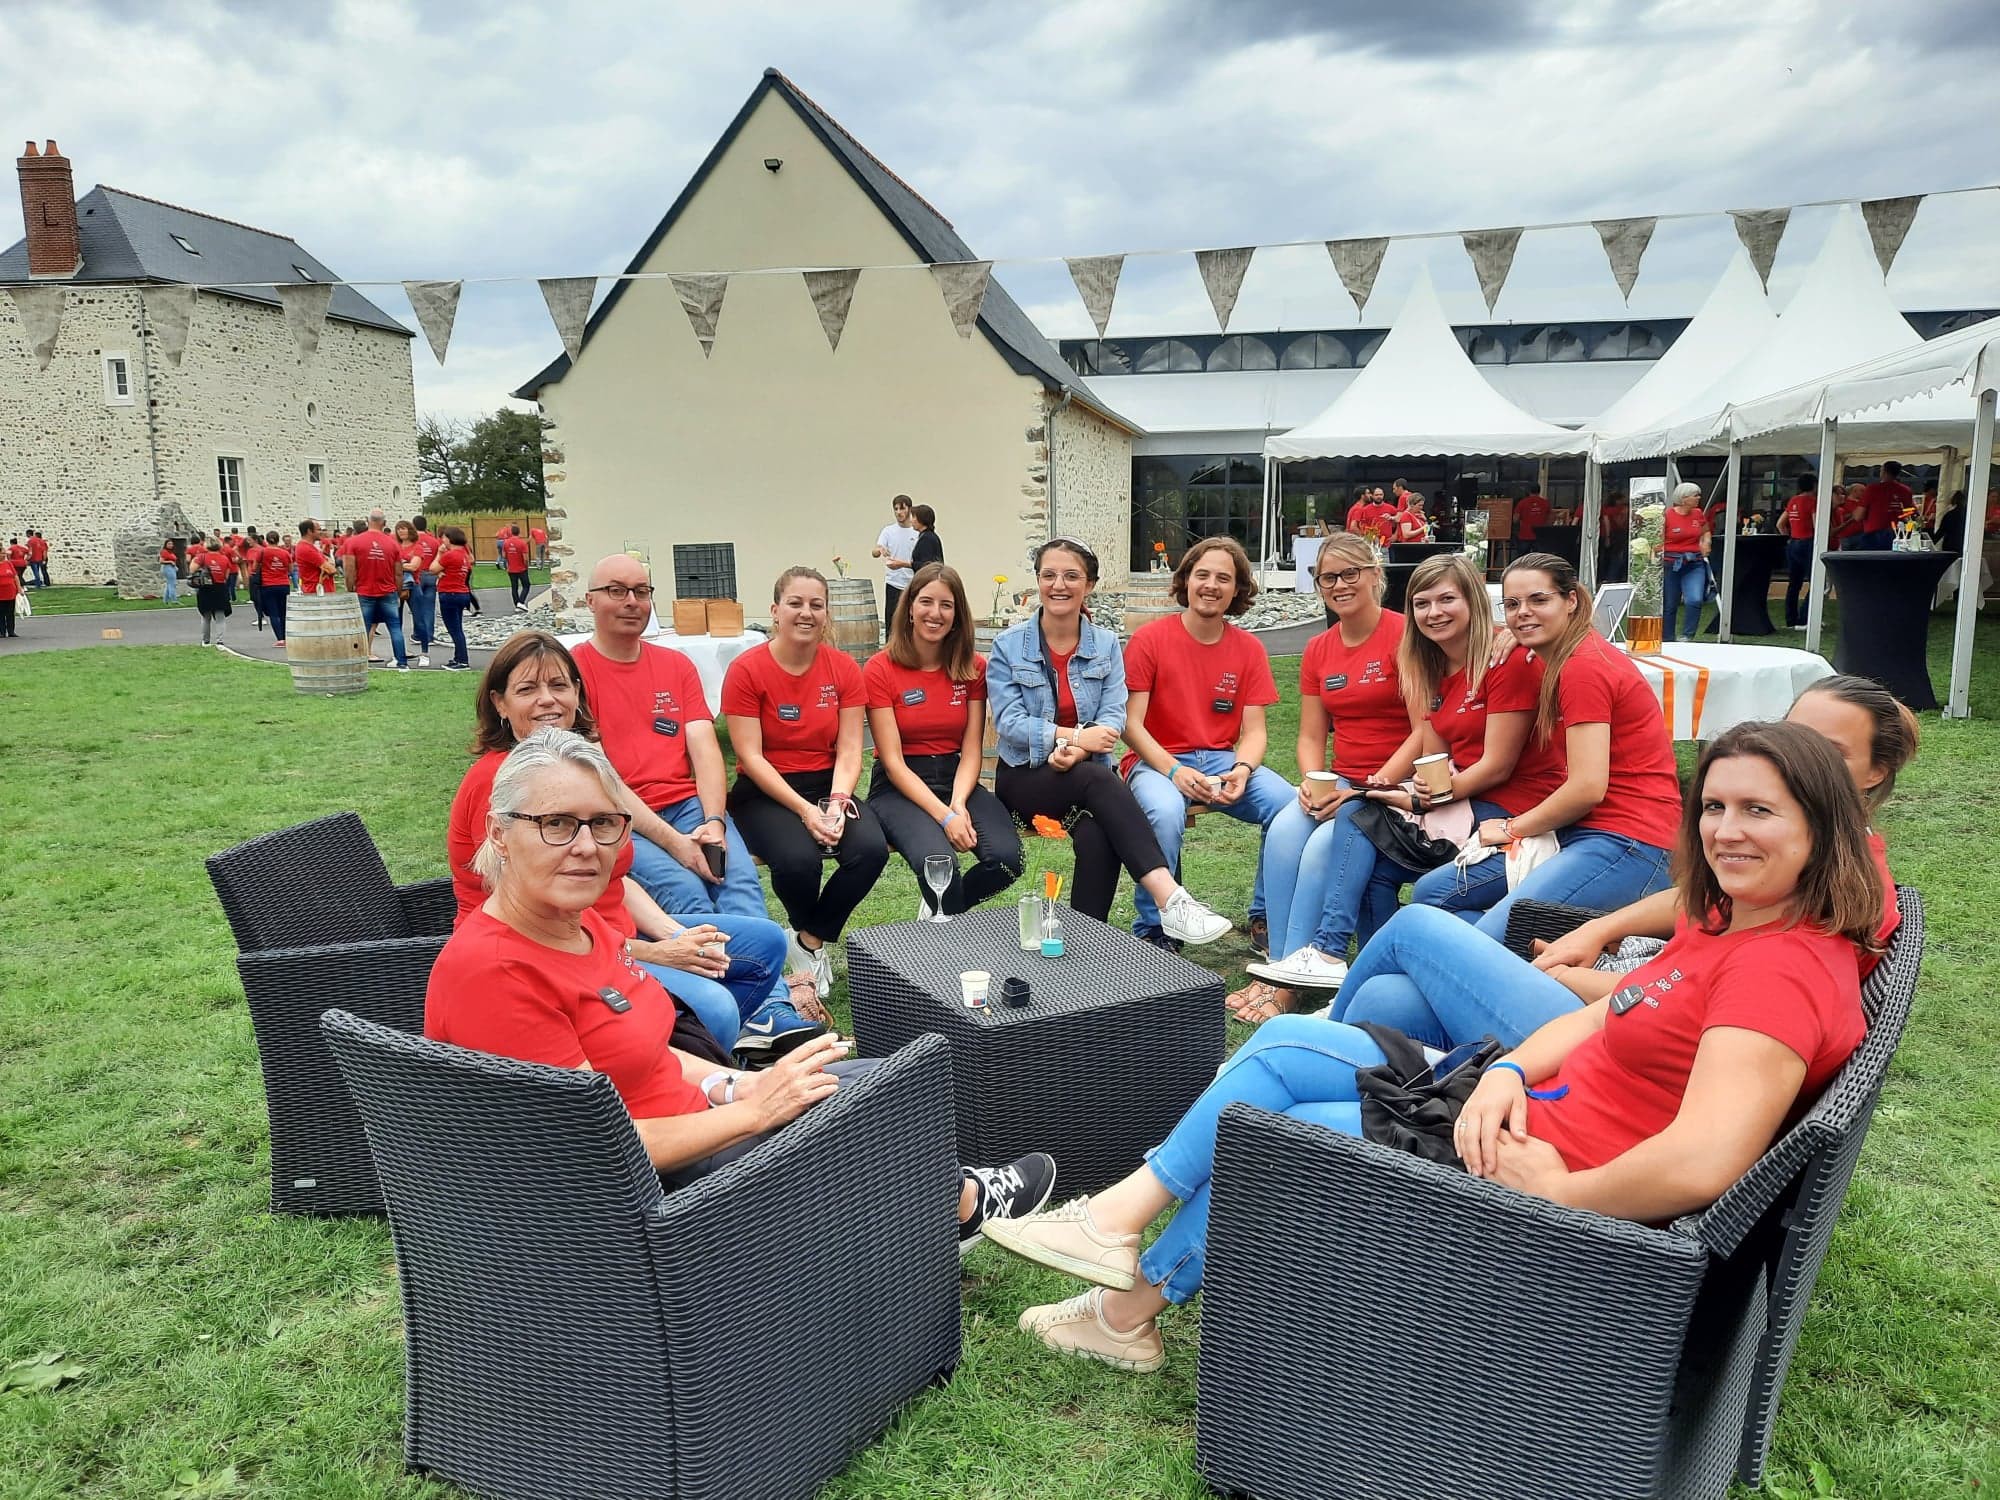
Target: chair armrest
(429,906)
(1547,920)
(381,980)
(1427,1332)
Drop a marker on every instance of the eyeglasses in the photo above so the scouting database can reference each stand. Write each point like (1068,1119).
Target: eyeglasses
(618,593)
(559,830)
(1533,601)
(1344,575)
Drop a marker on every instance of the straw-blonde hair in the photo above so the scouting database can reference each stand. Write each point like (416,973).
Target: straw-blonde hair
(1420,662)
(1357,551)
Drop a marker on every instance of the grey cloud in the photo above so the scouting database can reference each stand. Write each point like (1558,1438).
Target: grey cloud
(1407,28)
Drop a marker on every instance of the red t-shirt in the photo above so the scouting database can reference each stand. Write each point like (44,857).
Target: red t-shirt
(10,580)
(1065,694)
(1798,517)
(537,535)
(234,541)
(455,577)
(1459,716)
(800,715)
(251,556)
(643,709)
(1412,527)
(1795,984)
(378,563)
(931,710)
(1362,697)
(38,549)
(1684,532)
(494,990)
(312,568)
(411,556)
(1532,511)
(1642,796)
(1892,917)
(515,550)
(1883,504)
(467,830)
(1198,692)
(1361,516)
(429,545)
(218,565)
(274,568)
(167,555)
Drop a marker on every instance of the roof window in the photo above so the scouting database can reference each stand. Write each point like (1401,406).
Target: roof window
(304,274)
(183,244)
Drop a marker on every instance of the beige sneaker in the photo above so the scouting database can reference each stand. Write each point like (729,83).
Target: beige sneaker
(1064,1239)
(1078,1327)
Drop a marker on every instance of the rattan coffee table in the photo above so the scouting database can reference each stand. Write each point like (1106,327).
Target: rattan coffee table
(1116,1041)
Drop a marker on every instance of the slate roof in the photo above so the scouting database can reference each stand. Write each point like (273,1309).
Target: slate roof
(126,238)
(924,229)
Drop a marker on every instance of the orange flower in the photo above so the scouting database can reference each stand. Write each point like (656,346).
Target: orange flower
(1049,828)
(1159,546)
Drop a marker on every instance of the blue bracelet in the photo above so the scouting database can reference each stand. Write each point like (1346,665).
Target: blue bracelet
(1520,1072)
(949,814)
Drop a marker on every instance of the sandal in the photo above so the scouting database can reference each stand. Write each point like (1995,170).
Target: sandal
(1257,1002)
(805,998)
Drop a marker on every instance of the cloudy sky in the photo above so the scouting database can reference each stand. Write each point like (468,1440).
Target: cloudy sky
(431,138)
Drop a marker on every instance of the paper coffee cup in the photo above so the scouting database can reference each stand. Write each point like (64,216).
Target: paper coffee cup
(1434,774)
(973,985)
(1321,787)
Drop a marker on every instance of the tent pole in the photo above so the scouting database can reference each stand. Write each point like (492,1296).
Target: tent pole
(1264,522)
(1593,511)
(1822,529)
(1958,704)
(1729,521)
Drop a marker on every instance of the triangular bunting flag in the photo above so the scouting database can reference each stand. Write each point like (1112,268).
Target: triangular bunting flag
(963,285)
(832,292)
(1625,242)
(1888,221)
(305,313)
(436,305)
(1222,275)
(1492,252)
(702,297)
(568,299)
(41,310)
(1760,229)
(1357,261)
(1096,278)
(170,314)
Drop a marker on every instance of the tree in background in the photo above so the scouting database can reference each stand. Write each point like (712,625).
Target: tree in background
(492,465)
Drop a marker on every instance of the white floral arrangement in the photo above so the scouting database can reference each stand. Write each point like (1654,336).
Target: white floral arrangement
(1647,551)
(1475,538)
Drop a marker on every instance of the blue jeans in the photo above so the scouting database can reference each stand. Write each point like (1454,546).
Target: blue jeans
(1594,868)
(275,598)
(169,578)
(1872,541)
(1294,1065)
(384,609)
(678,890)
(1295,873)
(454,623)
(1352,885)
(1166,811)
(1683,584)
(423,610)
(756,948)
(1437,980)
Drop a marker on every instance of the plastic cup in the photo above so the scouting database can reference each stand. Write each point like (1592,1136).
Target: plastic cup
(973,984)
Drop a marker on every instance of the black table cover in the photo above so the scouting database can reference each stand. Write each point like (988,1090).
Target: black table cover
(1885,617)
(1416,552)
(1757,558)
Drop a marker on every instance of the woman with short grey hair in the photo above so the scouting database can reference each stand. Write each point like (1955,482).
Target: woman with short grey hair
(1684,562)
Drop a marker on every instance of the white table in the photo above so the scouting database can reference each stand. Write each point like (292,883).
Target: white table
(711,654)
(1305,558)
(1742,683)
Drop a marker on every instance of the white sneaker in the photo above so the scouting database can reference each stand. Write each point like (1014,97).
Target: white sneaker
(403,669)
(423,661)
(1307,969)
(1186,920)
(822,970)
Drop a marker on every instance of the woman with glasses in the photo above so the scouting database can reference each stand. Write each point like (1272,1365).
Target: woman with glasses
(1056,688)
(927,711)
(723,966)
(795,708)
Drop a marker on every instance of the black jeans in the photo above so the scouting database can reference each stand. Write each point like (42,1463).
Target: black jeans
(1798,572)
(517,585)
(775,835)
(891,592)
(274,600)
(917,835)
(6,617)
(1111,827)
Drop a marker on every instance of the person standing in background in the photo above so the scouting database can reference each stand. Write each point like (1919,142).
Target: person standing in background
(424,590)
(213,569)
(315,568)
(274,574)
(514,557)
(1882,506)
(539,537)
(1796,526)
(895,545)
(38,558)
(450,574)
(1530,511)
(170,572)
(373,568)
(928,549)
(10,590)
(249,557)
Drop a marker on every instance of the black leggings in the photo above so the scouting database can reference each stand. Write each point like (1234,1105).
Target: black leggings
(1111,830)
(276,597)
(775,835)
(917,835)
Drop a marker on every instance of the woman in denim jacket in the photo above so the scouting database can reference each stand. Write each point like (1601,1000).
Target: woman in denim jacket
(1055,685)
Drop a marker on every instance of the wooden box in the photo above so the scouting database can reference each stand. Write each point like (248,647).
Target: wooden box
(725,617)
(690,617)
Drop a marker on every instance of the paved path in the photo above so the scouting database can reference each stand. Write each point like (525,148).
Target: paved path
(169,627)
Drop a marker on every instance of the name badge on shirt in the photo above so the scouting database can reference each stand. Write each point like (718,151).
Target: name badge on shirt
(1222,705)
(1335,684)
(789,712)
(913,697)
(610,996)
(1626,998)
(667,726)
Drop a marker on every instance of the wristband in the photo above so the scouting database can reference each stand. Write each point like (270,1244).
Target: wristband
(949,814)
(720,1075)
(716,818)
(1512,1067)
(1533,1093)
(1241,765)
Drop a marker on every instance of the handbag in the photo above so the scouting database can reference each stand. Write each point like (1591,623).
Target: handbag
(1410,1103)
(1416,843)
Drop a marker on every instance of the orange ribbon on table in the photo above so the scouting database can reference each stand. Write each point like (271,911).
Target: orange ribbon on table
(1667,690)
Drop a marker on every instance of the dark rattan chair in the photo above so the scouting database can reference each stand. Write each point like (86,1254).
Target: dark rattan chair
(321,877)
(571,1330)
(1431,1334)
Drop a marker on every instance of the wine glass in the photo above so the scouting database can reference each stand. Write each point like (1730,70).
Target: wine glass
(832,814)
(938,870)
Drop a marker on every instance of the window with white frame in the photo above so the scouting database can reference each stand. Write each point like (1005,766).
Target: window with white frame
(316,490)
(229,488)
(117,378)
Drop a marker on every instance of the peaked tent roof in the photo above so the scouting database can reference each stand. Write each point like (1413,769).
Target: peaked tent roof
(1840,316)
(126,238)
(1734,321)
(1420,394)
(924,230)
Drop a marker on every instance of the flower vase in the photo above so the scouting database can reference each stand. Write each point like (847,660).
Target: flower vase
(1646,571)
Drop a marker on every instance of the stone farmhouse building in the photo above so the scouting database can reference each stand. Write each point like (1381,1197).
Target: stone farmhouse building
(111,437)
(775,449)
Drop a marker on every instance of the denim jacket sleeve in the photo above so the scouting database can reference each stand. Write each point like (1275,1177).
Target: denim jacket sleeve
(1109,707)
(1018,698)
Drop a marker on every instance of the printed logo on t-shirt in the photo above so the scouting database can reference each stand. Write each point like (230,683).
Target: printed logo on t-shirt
(664,702)
(829,695)
(789,712)
(1225,688)
(668,727)
(1635,994)
(1373,672)
(912,697)
(958,694)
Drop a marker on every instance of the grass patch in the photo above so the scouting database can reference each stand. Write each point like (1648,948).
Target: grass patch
(211,1336)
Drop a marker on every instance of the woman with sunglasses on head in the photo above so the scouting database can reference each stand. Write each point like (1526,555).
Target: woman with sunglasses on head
(1056,688)
(927,711)
(1480,715)
(725,967)
(795,709)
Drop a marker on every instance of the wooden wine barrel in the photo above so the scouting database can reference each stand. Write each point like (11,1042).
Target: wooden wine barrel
(325,645)
(1146,599)
(854,620)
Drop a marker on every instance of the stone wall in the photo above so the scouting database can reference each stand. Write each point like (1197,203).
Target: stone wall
(1093,484)
(80,468)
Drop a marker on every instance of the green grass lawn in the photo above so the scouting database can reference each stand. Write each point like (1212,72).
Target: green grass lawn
(66,599)
(261,1355)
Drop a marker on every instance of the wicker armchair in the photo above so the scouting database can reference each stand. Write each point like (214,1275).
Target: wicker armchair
(318,877)
(1443,1336)
(571,1330)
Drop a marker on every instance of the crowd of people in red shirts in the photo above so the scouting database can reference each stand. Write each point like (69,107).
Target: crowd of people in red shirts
(22,565)
(1396,517)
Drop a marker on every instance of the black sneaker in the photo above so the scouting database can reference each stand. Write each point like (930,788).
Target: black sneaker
(1260,937)
(1161,940)
(1010,1192)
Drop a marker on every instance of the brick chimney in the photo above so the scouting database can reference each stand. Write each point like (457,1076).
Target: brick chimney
(48,209)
